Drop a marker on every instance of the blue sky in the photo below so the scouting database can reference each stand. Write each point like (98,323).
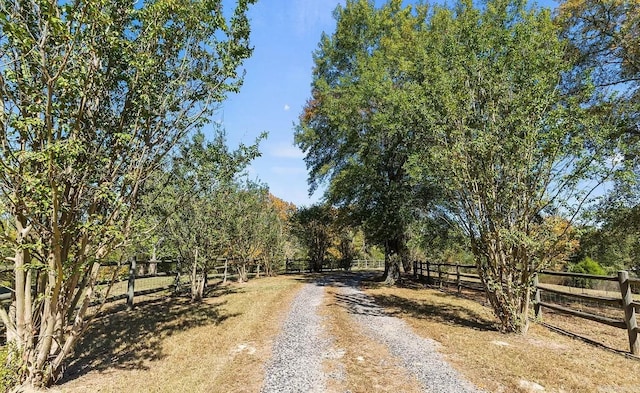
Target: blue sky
(277,84)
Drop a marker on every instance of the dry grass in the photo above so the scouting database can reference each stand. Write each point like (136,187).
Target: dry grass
(367,366)
(172,345)
(499,363)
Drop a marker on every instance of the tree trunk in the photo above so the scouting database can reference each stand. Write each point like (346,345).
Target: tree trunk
(242,271)
(395,255)
(507,286)
(41,349)
(393,270)
(407,265)
(226,266)
(196,291)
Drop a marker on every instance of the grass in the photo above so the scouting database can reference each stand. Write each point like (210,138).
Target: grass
(222,344)
(506,363)
(366,364)
(172,345)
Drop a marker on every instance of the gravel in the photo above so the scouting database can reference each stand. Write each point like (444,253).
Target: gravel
(419,355)
(296,363)
(302,345)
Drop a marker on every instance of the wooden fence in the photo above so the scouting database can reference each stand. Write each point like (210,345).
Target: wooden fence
(462,277)
(304,265)
(134,278)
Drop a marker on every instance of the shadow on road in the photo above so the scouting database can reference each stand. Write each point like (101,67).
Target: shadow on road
(446,311)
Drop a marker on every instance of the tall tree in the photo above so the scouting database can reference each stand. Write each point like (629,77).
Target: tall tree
(94,95)
(509,145)
(277,233)
(313,226)
(605,36)
(356,130)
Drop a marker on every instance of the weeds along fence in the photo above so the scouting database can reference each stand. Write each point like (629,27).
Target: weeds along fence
(564,292)
(305,265)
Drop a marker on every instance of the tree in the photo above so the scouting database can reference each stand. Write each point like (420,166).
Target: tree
(356,129)
(191,202)
(251,226)
(605,37)
(434,237)
(509,145)
(585,266)
(615,242)
(313,226)
(94,95)
(346,247)
(278,244)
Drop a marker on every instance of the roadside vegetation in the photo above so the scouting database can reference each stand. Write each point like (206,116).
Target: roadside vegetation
(497,133)
(469,336)
(213,344)
(217,345)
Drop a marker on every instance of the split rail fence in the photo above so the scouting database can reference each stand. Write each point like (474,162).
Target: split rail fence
(305,265)
(134,278)
(621,305)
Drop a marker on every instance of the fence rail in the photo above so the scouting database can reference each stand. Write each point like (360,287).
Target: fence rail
(305,265)
(450,274)
(134,278)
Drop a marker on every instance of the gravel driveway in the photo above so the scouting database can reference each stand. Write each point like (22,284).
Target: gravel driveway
(296,361)
(298,352)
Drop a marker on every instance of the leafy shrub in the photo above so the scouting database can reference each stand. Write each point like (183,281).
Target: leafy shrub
(585,266)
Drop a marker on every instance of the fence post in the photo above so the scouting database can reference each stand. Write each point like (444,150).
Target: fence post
(536,300)
(629,311)
(132,283)
(458,276)
(439,275)
(153,267)
(415,269)
(428,274)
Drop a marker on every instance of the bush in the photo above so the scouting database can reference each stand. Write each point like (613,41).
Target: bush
(585,266)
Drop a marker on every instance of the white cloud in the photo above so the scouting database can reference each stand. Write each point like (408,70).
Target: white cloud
(286,107)
(284,150)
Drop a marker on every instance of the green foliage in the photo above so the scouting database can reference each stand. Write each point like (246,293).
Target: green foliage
(507,144)
(605,38)
(94,95)
(461,113)
(356,129)
(436,239)
(615,243)
(346,249)
(314,228)
(585,266)
(193,206)
(255,229)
